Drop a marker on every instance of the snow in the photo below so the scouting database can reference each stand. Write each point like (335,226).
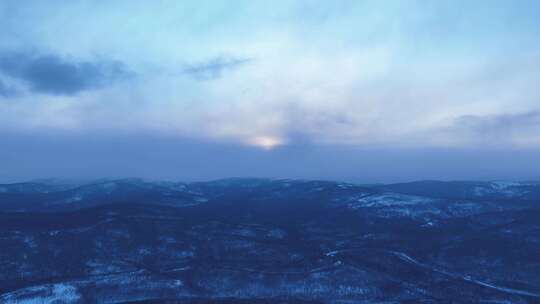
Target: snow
(30,241)
(389,199)
(179,269)
(184,254)
(502,185)
(506,188)
(109,187)
(332,253)
(45,294)
(245,232)
(467,278)
(75,198)
(201,199)
(345,185)
(277,233)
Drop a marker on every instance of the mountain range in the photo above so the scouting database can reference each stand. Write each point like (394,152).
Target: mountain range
(269,241)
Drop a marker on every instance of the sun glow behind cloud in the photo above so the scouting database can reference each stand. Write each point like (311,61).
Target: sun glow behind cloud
(266,142)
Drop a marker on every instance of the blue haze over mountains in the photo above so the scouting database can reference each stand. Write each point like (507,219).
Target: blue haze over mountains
(42,155)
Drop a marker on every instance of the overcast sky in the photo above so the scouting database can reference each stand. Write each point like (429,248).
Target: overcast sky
(351,90)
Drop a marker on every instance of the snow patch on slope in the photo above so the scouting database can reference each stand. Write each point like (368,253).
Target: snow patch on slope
(45,294)
(389,200)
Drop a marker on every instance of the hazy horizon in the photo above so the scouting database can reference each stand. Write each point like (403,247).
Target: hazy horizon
(170,158)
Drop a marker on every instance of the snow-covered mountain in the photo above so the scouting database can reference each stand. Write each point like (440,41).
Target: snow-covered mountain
(269,241)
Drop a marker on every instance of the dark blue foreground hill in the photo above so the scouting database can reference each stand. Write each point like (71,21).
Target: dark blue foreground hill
(269,241)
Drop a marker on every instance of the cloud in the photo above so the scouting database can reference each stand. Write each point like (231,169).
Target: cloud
(52,74)
(326,74)
(214,68)
(7,91)
(521,129)
(497,123)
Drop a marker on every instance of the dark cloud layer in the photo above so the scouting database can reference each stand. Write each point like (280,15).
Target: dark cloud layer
(6,90)
(214,68)
(498,125)
(52,74)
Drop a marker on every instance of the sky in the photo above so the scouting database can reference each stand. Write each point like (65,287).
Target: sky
(367,91)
